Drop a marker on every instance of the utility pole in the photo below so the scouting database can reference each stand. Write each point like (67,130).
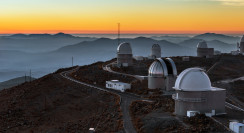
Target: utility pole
(30,75)
(118,33)
(72,60)
(238,46)
(25,77)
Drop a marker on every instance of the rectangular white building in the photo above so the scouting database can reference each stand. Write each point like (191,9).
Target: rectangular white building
(236,127)
(234,52)
(192,113)
(116,85)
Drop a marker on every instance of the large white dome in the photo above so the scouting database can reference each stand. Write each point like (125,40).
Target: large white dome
(193,79)
(202,44)
(242,39)
(124,48)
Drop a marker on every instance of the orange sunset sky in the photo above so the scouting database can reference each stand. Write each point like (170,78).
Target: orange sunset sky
(135,16)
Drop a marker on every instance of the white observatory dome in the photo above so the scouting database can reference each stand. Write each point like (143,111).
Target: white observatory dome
(158,68)
(202,44)
(193,79)
(242,39)
(124,48)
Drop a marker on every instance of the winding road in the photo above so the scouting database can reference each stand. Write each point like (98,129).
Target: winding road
(125,100)
(108,69)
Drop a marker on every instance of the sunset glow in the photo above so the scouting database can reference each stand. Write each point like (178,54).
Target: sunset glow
(137,16)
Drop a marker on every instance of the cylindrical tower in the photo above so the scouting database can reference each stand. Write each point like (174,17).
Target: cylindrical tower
(157,73)
(124,55)
(162,74)
(203,50)
(195,93)
(156,51)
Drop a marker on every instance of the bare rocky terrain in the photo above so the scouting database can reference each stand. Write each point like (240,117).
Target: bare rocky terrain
(158,117)
(54,104)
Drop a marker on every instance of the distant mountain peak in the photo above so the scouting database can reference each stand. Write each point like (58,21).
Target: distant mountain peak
(220,37)
(210,35)
(19,35)
(61,34)
(141,37)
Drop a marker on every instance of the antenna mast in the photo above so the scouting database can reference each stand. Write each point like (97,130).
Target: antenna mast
(238,46)
(72,60)
(118,33)
(30,75)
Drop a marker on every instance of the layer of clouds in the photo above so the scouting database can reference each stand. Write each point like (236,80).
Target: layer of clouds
(231,2)
(223,2)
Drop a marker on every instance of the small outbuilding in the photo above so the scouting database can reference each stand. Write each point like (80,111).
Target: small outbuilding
(217,52)
(116,85)
(186,58)
(236,127)
(235,52)
(138,58)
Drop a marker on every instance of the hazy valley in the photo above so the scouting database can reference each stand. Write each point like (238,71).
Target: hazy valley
(45,53)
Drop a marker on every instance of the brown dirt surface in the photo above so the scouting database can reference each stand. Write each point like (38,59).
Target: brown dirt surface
(229,67)
(205,63)
(139,87)
(202,124)
(54,104)
(238,89)
(139,109)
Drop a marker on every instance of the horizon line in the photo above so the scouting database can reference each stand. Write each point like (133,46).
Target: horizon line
(116,32)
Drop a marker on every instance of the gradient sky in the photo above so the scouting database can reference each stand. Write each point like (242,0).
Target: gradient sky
(135,16)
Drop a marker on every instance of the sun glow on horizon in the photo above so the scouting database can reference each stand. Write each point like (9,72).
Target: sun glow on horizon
(138,16)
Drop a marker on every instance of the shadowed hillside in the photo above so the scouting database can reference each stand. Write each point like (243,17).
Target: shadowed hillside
(54,104)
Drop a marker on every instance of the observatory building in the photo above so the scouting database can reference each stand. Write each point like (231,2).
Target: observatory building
(242,45)
(162,74)
(203,50)
(195,93)
(155,51)
(124,55)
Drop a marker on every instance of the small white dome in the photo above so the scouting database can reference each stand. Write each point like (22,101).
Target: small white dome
(242,39)
(156,46)
(193,79)
(124,48)
(202,44)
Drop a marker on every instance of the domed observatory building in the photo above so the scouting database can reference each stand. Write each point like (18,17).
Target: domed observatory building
(155,51)
(194,93)
(242,45)
(162,74)
(203,50)
(124,55)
